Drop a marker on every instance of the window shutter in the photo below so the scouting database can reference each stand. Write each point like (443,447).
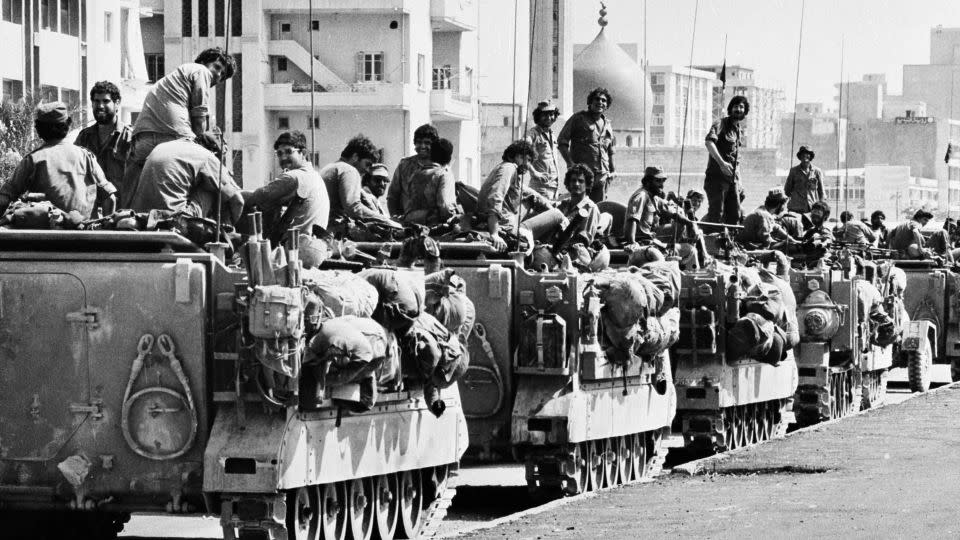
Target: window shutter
(381,75)
(360,66)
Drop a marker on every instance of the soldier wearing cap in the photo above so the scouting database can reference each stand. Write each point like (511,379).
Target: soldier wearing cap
(648,212)
(647,206)
(66,174)
(804,183)
(544,169)
(375,184)
(761,229)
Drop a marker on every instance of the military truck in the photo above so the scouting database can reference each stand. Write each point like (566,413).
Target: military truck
(128,385)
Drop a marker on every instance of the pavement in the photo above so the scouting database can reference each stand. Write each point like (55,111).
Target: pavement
(891,472)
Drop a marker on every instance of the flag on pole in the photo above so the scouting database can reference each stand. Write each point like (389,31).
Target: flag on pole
(723,74)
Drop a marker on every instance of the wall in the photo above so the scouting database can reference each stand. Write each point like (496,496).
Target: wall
(818,132)
(342,35)
(11,65)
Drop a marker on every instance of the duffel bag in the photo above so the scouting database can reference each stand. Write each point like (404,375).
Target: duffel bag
(399,298)
(341,293)
(433,354)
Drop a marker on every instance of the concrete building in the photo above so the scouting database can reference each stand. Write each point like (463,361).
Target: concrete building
(861,101)
(57,49)
(672,88)
(381,68)
(766,104)
(938,83)
(500,124)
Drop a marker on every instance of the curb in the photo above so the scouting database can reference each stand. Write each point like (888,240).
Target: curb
(557,503)
(702,466)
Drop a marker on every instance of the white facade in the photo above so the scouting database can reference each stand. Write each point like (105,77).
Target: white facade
(766,105)
(551,74)
(381,68)
(672,88)
(56,50)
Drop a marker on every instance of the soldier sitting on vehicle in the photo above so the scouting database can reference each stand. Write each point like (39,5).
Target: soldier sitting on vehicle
(298,189)
(182,176)
(572,227)
(503,194)
(854,231)
(907,240)
(432,199)
(645,210)
(67,175)
(760,228)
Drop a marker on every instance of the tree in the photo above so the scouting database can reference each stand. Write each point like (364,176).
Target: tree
(17,136)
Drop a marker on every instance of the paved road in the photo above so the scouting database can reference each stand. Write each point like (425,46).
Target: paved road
(887,473)
(487,492)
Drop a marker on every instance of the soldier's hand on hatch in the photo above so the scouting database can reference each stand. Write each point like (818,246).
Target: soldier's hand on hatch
(498,243)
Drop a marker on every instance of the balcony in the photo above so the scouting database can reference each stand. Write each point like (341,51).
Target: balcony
(448,105)
(365,96)
(338,6)
(453,15)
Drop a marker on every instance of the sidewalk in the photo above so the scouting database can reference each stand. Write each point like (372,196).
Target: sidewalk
(892,472)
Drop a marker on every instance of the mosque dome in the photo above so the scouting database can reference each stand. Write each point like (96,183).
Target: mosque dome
(604,63)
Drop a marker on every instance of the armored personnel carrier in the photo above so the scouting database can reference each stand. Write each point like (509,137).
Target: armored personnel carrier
(131,382)
(851,315)
(733,389)
(540,387)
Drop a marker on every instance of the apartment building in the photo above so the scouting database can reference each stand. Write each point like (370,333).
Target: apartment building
(57,49)
(680,94)
(380,67)
(763,122)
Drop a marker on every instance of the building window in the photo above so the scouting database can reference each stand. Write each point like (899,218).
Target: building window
(154,66)
(370,67)
(656,78)
(285,29)
(12,90)
(203,18)
(658,98)
(657,119)
(237,162)
(283,122)
(48,14)
(236,94)
(629,141)
(236,19)
(441,77)
(506,121)
(219,17)
(281,63)
(315,25)
(107,27)
(13,11)
(49,93)
(186,18)
(421,67)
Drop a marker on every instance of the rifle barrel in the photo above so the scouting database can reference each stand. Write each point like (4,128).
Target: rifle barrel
(724,225)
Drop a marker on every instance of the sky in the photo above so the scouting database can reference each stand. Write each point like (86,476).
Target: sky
(878,36)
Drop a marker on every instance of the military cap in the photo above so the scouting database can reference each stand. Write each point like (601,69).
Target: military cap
(654,172)
(54,112)
(379,169)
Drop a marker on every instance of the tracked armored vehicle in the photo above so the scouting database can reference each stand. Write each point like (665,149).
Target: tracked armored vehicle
(540,388)
(129,385)
(843,363)
(725,398)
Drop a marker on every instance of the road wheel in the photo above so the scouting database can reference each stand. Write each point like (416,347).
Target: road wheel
(609,463)
(360,508)
(411,504)
(919,364)
(955,370)
(595,464)
(638,455)
(302,514)
(577,470)
(387,506)
(333,511)
(729,429)
(623,459)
